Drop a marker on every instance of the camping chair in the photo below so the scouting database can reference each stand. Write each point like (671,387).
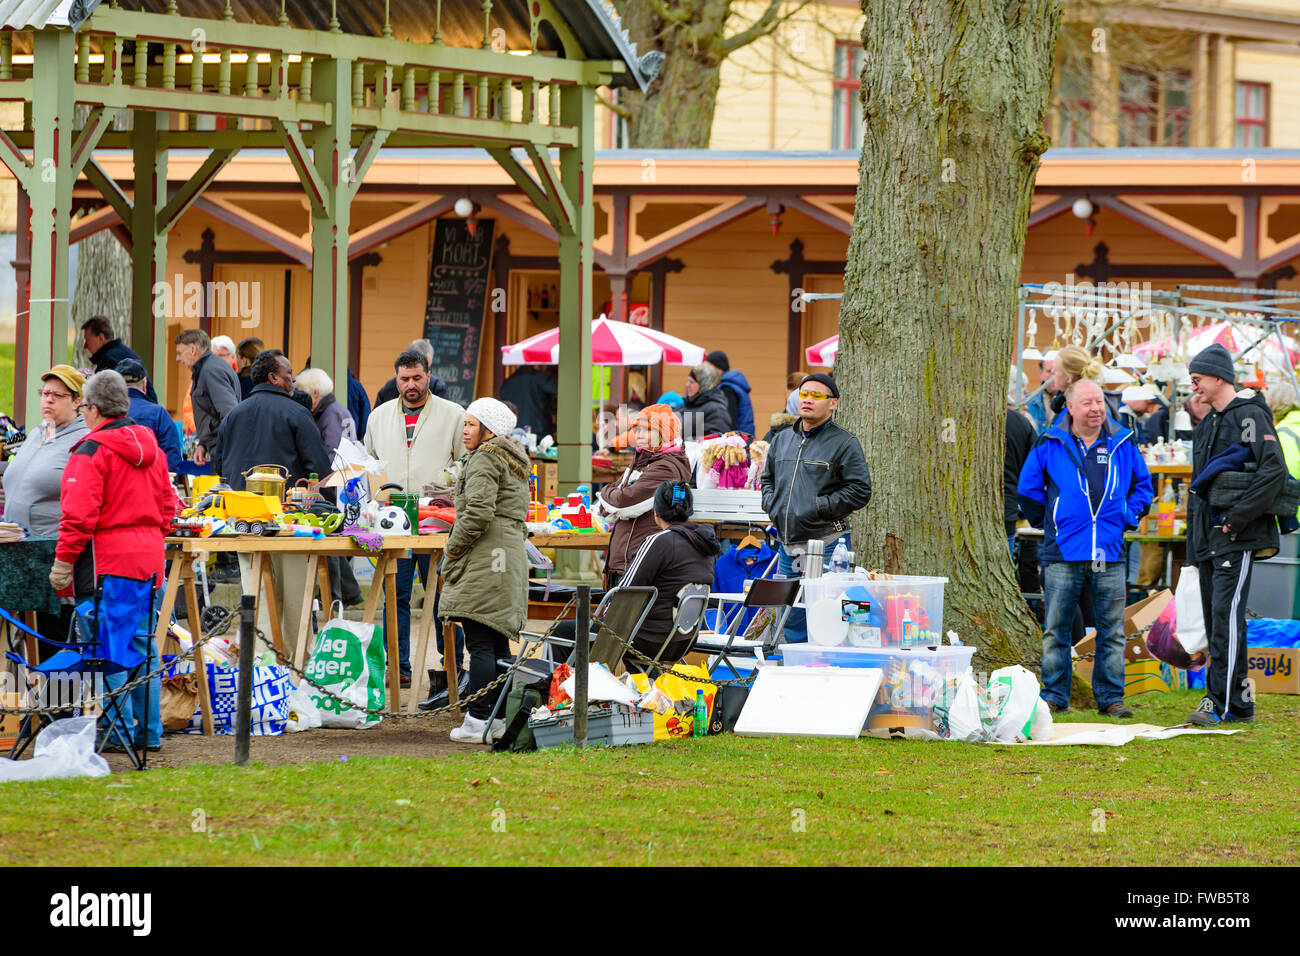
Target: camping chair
(621,612)
(776,596)
(692,602)
(106,627)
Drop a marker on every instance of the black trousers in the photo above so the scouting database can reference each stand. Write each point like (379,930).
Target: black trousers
(486,647)
(1225,588)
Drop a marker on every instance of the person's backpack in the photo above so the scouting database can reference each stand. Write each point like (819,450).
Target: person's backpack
(521,700)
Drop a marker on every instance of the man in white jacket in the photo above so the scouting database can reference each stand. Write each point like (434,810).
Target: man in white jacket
(418,435)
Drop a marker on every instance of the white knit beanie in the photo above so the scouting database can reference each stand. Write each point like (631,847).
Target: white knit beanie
(494,415)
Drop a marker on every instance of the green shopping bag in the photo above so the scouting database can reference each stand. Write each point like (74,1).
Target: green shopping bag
(349,659)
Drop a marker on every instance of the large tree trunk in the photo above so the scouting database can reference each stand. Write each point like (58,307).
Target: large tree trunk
(953,99)
(676,112)
(103,288)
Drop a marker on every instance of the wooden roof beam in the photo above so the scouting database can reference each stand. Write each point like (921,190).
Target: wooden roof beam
(257,227)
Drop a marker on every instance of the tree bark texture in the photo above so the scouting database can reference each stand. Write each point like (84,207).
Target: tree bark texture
(676,112)
(103,288)
(953,94)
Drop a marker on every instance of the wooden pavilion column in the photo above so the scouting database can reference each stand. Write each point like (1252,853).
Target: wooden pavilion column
(49,191)
(149,245)
(573,418)
(331,215)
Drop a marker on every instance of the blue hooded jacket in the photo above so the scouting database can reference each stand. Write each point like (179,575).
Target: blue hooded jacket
(1053,493)
(738,386)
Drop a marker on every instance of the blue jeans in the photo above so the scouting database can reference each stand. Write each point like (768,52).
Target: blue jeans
(1062,581)
(796,625)
(133,704)
(405,581)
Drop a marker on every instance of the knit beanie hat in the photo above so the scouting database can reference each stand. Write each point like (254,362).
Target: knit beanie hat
(706,377)
(718,359)
(493,415)
(1216,361)
(823,379)
(660,418)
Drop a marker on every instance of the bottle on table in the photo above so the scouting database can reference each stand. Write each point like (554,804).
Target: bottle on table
(701,715)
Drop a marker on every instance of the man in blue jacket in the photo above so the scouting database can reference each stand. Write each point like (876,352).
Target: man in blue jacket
(150,414)
(735,387)
(1084,482)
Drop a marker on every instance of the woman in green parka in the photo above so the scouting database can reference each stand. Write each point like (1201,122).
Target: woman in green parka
(485,572)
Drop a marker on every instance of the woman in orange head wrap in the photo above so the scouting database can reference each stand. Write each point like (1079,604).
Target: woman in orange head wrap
(629,501)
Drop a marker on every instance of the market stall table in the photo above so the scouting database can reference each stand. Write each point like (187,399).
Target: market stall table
(391,548)
(25,583)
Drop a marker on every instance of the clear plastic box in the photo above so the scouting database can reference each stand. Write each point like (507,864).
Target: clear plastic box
(613,726)
(906,611)
(914,680)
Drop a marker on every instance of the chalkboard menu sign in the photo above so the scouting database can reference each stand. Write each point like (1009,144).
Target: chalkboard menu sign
(453,317)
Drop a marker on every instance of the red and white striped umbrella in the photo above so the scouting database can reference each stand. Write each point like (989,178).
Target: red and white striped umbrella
(823,353)
(612,343)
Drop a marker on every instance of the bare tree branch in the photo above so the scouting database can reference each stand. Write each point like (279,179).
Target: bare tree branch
(770,19)
(615,107)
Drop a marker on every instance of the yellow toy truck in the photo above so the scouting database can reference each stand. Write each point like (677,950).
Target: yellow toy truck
(243,511)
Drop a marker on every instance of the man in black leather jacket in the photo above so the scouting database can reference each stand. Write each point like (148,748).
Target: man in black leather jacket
(1224,545)
(816,476)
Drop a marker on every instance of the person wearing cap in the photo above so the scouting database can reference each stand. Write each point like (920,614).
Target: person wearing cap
(815,477)
(1149,415)
(735,388)
(657,437)
(485,571)
(150,414)
(106,350)
(32,479)
(705,410)
(1224,544)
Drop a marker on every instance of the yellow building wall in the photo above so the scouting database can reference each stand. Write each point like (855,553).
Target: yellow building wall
(1282,71)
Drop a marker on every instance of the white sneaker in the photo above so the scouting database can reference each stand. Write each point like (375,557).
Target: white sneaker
(498,728)
(470,732)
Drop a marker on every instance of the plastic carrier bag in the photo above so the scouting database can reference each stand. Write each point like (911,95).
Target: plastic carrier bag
(348,659)
(1013,700)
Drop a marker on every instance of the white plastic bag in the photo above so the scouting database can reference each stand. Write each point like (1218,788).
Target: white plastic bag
(1013,698)
(66,748)
(1190,617)
(348,659)
(1041,728)
(968,717)
(303,712)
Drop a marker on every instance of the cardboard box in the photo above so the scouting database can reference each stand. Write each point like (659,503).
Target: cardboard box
(1143,674)
(1275,670)
(9,722)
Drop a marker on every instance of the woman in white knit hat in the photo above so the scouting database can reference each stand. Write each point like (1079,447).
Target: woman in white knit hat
(485,572)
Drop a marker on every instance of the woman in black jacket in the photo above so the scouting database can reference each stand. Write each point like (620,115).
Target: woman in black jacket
(680,553)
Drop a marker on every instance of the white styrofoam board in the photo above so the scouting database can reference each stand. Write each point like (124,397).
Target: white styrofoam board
(809,702)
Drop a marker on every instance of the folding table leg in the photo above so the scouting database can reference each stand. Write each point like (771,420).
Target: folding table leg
(449,662)
(272,604)
(421,649)
(390,635)
(196,634)
(304,622)
(170,589)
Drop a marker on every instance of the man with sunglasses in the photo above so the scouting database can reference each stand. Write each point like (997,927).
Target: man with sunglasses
(816,476)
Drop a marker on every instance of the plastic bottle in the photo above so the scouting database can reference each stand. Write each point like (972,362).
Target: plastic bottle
(840,559)
(701,715)
(909,629)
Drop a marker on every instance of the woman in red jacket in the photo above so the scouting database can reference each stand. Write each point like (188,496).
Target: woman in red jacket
(630,500)
(115,492)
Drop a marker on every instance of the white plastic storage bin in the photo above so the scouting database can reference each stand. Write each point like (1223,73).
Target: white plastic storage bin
(914,680)
(905,611)
(612,726)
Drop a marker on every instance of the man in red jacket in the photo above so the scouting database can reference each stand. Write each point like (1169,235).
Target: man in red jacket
(115,491)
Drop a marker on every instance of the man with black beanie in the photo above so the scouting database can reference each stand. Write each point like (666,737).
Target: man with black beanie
(735,388)
(1224,543)
(815,477)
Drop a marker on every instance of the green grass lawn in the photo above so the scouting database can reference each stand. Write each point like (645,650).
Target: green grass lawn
(1209,800)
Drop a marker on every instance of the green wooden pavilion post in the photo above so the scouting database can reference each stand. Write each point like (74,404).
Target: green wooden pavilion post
(149,245)
(50,195)
(577,252)
(331,213)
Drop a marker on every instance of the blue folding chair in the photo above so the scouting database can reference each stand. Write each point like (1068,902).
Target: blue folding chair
(107,630)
